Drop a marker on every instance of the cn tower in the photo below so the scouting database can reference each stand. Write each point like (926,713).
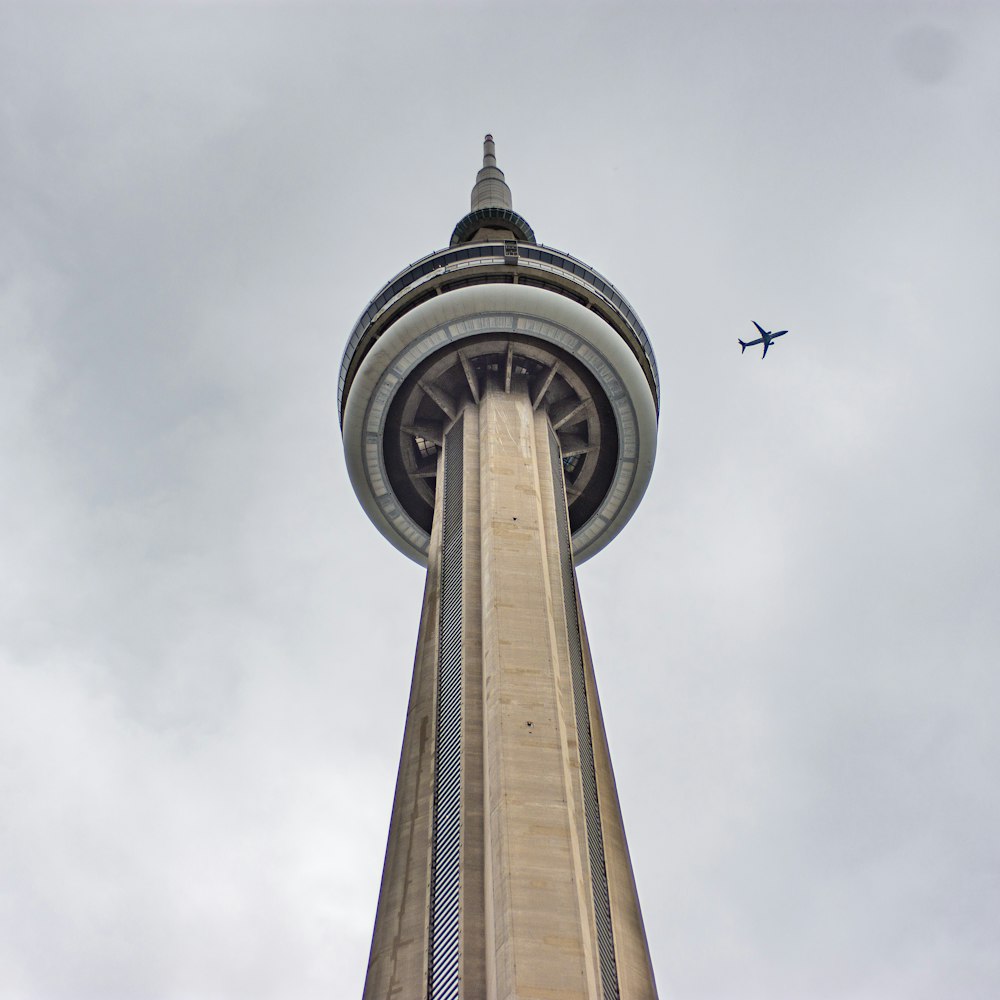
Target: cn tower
(498,401)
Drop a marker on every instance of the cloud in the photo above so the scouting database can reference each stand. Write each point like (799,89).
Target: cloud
(205,647)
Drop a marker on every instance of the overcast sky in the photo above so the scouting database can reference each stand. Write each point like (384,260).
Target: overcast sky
(205,647)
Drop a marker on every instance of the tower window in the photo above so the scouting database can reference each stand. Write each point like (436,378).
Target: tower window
(570,464)
(425,448)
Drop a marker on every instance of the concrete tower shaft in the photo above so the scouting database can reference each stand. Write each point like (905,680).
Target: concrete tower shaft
(506,873)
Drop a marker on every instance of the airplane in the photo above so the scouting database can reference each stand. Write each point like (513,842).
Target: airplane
(765,338)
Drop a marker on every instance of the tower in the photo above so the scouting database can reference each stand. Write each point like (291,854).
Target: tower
(498,401)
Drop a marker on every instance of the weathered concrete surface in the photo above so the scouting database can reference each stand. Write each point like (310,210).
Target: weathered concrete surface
(635,968)
(527,922)
(538,890)
(397,964)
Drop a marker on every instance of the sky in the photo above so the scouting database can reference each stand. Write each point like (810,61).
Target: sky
(205,647)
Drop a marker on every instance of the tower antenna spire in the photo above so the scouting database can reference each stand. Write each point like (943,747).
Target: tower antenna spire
(492,215)
(490,189)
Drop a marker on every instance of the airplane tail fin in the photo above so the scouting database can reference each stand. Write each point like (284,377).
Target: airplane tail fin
(743,346)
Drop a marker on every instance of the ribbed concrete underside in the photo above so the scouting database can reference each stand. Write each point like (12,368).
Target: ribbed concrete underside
(507,873)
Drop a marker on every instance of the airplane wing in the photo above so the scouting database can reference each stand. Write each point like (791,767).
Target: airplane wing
(763,332)
(767,344)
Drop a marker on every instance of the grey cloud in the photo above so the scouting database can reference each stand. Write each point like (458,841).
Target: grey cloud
(205,647)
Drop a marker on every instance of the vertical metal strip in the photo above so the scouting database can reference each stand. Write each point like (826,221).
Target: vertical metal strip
(591,805)
(444,935)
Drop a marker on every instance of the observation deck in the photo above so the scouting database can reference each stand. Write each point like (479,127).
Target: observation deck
(508,309)
(481,263)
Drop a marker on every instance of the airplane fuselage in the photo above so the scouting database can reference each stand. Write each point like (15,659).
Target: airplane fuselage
(766,338)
